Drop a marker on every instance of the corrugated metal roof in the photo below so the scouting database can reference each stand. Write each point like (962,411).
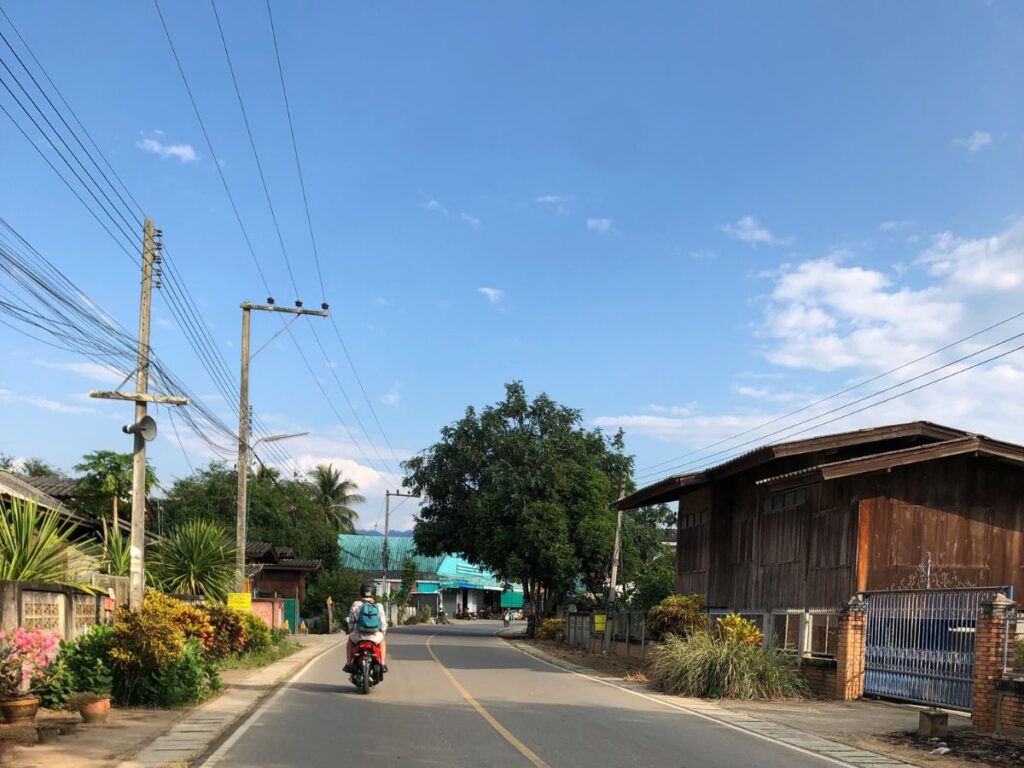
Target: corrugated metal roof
(366,553)
(666,489)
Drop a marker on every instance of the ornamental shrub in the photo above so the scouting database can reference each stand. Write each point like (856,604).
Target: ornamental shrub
(143,643)
(735,629)
(192,620)
(188,679)
(708,665)
(678,615)
(229,631)
(24,656)
(257,634)
(551,629)
(82,665)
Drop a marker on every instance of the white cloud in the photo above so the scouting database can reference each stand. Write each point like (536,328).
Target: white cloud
(437,207)
(975,142)
(601,226)
(749,230)
(673,410)
(393,395)
(553,199)
(183,152)
(984,265)
(494,295)
(703,255)
(890,226)
(42,402)
(93,371)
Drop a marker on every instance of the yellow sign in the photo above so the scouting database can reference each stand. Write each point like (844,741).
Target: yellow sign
(240,601)
(600,622)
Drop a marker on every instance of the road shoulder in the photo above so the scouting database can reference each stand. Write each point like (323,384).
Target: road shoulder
(832,750)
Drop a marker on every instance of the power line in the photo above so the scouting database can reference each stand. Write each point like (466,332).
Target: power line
(703,460)
(646,470)
(295,148)
(182,307)
(255,152)
(312,239)
(209,145)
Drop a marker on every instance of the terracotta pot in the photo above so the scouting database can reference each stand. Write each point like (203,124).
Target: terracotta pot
(96,712)
(19,710)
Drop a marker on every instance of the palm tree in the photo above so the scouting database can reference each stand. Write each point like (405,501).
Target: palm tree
(334,495)
(38,545)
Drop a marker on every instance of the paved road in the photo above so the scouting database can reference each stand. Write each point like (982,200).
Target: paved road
(458,696)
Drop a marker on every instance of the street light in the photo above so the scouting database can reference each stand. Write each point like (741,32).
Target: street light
(242,532)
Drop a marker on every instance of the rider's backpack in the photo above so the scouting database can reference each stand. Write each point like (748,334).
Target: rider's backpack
(369,617)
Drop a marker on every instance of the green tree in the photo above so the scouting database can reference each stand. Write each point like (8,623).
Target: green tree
(408,581)
(524,490)
(37,545)
(38,468)
(335,496)
(108,480)
(341,584)
(282,512)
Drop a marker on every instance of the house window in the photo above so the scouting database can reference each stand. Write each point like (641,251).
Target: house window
(786,631)
(783,500)
(824,634)
(693,519)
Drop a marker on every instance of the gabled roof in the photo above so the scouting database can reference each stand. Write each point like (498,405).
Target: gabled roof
(366,554)
(670,488)
(978,445)
(59,487)
(27,489)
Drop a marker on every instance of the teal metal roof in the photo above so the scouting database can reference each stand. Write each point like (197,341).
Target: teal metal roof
(366,554)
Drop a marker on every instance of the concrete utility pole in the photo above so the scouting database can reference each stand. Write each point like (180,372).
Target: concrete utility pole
(387,533)
(613,581)
(242,496)
(144,428)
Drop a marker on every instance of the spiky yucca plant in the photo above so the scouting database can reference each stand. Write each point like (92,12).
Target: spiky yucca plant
(196,558)
(37,545)
(117,551)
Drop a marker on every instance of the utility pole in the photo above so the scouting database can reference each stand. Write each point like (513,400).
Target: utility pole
(144,428)
(242,496)
(387,533)
(613,581)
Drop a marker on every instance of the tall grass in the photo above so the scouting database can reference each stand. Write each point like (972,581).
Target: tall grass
(706,665)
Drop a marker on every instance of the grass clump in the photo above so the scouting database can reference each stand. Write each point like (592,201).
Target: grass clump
(710,665)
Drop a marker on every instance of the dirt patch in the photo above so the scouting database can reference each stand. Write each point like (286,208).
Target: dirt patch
(630,669)
(966,747)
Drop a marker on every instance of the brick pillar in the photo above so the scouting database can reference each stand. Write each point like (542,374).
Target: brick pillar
(853,623)
(989,646)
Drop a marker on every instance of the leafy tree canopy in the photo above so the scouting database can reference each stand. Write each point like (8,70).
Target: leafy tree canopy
(107,482)
(285,512)
(524,490)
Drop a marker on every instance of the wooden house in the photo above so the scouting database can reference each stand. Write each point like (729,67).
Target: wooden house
(809,523)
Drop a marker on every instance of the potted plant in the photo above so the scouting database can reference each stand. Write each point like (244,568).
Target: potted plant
(24,655)
(94,707)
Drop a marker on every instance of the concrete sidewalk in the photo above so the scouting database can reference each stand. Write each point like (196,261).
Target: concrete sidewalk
(243,691)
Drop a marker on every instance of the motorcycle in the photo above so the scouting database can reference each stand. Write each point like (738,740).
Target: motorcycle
(366,667)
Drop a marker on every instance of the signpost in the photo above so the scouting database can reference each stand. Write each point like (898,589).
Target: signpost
(240,601)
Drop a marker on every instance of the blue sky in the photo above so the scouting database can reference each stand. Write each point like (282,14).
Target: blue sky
(686,220)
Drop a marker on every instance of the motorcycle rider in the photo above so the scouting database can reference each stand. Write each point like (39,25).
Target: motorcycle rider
(357,635)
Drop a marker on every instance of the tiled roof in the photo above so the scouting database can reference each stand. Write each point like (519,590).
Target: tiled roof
(300,563)
(256,550)
(55,485)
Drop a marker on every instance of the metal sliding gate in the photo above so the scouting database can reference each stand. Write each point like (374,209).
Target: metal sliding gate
(920,644)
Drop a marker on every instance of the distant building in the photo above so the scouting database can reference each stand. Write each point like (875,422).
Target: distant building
(446,580)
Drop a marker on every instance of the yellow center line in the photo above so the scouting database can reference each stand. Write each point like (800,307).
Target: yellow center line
(524,750)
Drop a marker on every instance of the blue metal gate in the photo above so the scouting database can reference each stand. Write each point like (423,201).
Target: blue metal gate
(920,644)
